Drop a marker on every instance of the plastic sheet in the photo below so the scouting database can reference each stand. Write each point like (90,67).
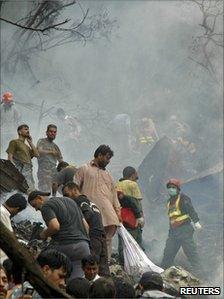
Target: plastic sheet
(136,261)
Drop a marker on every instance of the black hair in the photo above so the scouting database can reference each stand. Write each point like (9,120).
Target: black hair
(103,150)
(3,268)
(78,287)
(7,265)
(55,260)
(102,288)
(70,185)
(13,271)
(21,127)
(123,288)
(128,172)
(62,165)
(151,286)
(90,260)
(151,281)
(16,201)
(51,126)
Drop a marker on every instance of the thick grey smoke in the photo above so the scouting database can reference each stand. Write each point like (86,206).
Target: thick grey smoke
(143,66)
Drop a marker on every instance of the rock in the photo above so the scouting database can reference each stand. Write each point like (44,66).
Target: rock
(117,271)
(176,277)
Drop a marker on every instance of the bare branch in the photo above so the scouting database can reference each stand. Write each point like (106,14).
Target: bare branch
(84,17)
(36,29)
(205,45)
(54,11)
(205,67)
(36,34)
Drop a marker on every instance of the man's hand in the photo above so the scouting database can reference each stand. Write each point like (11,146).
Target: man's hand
(198,226)
(43,235)
(29,139)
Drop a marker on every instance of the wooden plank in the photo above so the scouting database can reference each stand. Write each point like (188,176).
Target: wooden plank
(10,178)
(22,257)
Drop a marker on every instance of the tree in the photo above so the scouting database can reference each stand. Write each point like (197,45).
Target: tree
(209,42)
(45,27)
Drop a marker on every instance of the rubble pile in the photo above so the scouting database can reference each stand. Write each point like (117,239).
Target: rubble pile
(28,234)
(177,277)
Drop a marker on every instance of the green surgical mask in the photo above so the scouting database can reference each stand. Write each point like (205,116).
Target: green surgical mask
(172,191)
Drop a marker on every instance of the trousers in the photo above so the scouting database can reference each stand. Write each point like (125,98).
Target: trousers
(98,246)
(110,232)
(75,252)
(181,237)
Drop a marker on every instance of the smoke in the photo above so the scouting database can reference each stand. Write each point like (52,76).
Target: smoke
(142,67)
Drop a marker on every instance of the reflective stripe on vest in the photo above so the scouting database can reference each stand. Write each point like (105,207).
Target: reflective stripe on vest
(146,139)
(174,212)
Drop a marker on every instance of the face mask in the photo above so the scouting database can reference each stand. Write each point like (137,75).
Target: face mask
(172,191)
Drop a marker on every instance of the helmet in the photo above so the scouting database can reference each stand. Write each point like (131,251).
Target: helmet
(7,97)
(174,182)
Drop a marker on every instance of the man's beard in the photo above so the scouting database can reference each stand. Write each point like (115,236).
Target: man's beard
(102,164)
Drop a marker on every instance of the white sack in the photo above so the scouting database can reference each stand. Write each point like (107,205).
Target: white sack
(136,261)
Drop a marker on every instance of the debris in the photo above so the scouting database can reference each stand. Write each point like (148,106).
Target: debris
(176,277)
(162,162)
(10,178)
(21,257)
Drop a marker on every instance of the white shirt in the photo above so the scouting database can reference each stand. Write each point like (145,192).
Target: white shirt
(5,219)
(96,277)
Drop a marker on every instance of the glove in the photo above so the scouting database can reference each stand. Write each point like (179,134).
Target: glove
(141,221)
(198,226)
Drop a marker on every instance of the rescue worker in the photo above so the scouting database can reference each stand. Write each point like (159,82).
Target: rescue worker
(93,217)
(65,225)
(147,134)
(65,174)
(128,186)
(181,212)
(10,208)
(180,133)
(176,128)
(98,185)
(132,219)
(49,155)
(9,119)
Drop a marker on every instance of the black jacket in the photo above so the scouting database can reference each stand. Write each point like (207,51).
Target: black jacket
(131,202)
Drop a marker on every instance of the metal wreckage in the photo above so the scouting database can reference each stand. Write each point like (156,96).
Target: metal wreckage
(162,162)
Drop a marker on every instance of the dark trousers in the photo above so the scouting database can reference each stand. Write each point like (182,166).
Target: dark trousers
(181,237)
(75,252)
(98,246)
